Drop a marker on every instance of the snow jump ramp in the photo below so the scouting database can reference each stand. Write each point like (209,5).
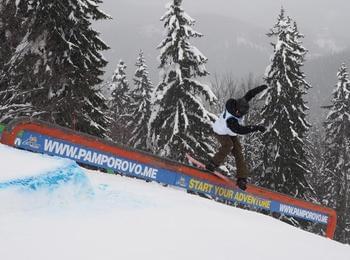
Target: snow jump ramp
(48,173)
(42,137)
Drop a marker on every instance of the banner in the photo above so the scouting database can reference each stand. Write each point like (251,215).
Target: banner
(110,162)
(113,163)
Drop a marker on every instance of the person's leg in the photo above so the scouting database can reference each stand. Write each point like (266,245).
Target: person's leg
(226,145)
(242,169)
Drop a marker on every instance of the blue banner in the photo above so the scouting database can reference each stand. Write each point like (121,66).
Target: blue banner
(111,162)
(52,146)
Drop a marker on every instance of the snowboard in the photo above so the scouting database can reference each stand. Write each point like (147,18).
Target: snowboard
(201,166)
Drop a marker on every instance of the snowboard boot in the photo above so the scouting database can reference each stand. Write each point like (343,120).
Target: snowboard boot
(242,183)
(211,166)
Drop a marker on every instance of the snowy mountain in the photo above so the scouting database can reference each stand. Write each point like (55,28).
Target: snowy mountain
(114,217)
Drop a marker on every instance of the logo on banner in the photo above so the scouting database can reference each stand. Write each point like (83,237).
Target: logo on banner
(181,182)
(32,142)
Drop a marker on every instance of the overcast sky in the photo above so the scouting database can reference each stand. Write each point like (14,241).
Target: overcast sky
(259,12)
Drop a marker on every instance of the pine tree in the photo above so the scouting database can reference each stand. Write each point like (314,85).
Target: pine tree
(119,104)
(316,137)
(180,123)
(10,31)
(11,34)
(284,154)
(336,175)
(58,65)
(140,108)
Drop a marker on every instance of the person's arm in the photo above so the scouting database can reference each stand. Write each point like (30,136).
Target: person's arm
(253,92)
(235,127)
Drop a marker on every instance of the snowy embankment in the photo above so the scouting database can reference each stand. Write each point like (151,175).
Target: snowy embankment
(89,216)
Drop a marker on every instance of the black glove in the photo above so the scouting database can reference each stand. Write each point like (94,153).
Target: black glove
(260,128)
(242,183)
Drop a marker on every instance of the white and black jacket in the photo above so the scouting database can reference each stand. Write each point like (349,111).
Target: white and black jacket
(229,123)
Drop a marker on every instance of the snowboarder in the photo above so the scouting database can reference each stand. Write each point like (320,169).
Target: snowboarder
(227,128)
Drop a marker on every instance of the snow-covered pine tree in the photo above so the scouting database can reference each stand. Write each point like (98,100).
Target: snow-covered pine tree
(58,64)
(10,30)
(139,113)
(284,154)
(11,34)
(336,174)
(180,122)
(119,104)
(119,89)
(316,139)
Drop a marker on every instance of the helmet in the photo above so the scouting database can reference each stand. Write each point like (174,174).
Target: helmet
(242,106)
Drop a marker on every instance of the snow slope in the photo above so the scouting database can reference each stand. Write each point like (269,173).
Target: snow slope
(21,164)
(114,217)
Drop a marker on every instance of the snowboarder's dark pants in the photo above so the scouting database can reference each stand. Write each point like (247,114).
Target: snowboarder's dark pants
(231,144)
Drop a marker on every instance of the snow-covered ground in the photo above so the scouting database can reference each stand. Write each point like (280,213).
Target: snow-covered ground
(106,217)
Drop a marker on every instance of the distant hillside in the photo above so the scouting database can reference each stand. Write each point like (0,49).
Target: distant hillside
(237,47)
(233,46)
(322,75)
